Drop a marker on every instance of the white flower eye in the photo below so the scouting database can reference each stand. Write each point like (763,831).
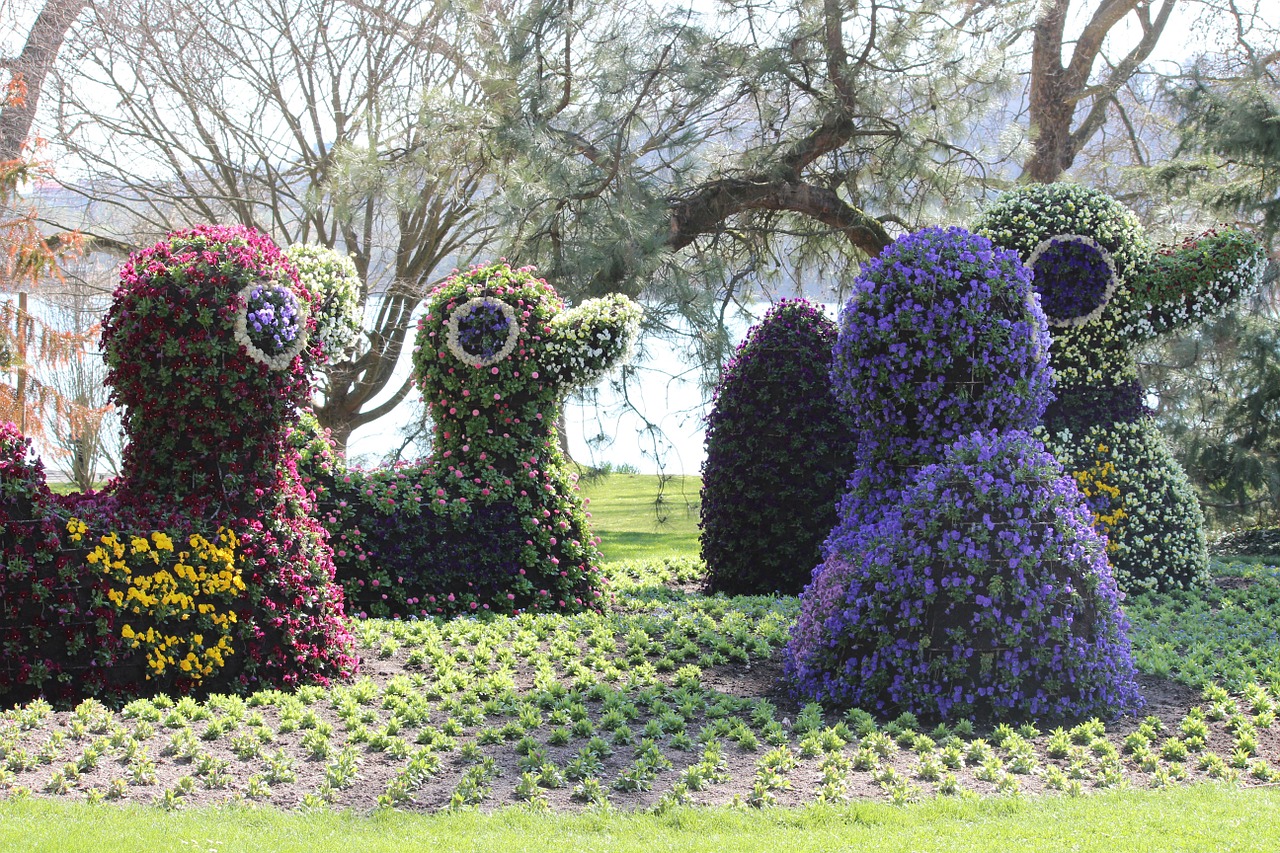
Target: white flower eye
(271,324)
(1075,278)
(482,331)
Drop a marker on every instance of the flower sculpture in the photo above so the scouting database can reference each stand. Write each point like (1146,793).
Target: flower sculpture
(201,567)
(1106,292)
(963,577)
(778,451)
(491,521)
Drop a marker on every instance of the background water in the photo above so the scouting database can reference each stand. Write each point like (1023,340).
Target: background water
(665,392)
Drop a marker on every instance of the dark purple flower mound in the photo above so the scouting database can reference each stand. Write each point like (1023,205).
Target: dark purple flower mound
(984,592)
(941,337)
(1082,406)
(778,451)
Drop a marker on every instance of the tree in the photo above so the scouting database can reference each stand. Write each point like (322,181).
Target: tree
(1219,398)
(28,70)
(1219,386)
(298,118)
(1069,97)
(629,147)
(28,259)
(1229,151)
(82,429)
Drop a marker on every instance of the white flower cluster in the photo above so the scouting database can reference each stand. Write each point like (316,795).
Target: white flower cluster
(1156,536)
(1021,221)
(284,358)
(587,341)
(1238,282)
(334,283)
(465,310)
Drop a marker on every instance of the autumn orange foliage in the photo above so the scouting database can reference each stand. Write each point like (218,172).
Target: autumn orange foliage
(27,261)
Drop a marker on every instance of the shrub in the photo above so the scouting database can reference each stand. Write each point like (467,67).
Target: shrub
(491,522)
(1107,292)
(778,451)
(984,591)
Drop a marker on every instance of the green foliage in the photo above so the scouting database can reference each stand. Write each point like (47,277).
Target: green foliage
(1219,405)
(1225,635)
(1235,124)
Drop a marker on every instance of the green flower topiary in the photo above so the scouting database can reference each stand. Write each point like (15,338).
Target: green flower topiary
(1106,292)
(491,522)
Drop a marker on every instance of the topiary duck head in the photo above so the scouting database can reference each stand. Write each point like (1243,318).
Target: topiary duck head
(941,336)
(208,349)
(1103,288)
(497,351)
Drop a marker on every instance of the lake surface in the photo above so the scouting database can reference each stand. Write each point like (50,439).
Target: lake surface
(605,430)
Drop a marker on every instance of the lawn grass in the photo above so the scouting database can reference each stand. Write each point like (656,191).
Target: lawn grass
(635,518)
(1195,818)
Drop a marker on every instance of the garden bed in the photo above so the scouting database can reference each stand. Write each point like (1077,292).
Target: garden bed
(671,697)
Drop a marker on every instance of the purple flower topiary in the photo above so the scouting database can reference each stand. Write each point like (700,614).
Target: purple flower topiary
(984,591)
(964,577)
(942,336)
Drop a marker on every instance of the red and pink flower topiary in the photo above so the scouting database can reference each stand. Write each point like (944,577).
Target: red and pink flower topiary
(202,566)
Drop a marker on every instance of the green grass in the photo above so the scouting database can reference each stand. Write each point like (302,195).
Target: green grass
(634,521)
(1200,818)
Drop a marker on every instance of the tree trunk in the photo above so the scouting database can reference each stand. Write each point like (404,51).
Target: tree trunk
(31,67)
(562,432)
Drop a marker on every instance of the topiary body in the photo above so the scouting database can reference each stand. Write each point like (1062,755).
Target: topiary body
(491,522)
(983,592)
(963,577)
(1106,292)
(778,451)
